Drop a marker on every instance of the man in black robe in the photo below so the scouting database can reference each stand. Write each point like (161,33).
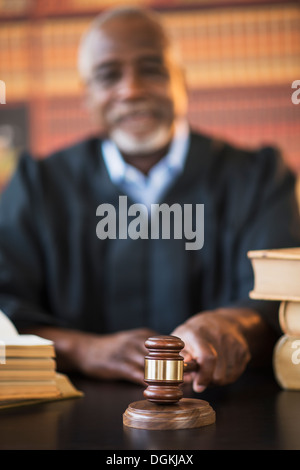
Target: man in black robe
(65,272)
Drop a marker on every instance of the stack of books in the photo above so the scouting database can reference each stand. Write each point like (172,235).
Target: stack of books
(277,278)
(28,369)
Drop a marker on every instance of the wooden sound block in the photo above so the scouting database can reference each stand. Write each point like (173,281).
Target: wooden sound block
(187,413)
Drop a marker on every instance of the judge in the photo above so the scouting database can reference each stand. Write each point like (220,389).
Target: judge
(100,298)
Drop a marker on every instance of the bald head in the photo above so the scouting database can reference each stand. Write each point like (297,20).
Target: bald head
(145,28)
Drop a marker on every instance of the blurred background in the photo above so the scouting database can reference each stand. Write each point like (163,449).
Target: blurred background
(241,58)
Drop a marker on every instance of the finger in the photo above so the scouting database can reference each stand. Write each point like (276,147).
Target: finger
(231,364)
(189,377)
(187,357)
(138,358)
(201,350)
(131,371)
(207,359)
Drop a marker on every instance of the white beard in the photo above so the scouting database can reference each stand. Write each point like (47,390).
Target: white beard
(133,145)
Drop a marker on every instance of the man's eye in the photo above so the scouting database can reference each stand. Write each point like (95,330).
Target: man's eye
(106,77)
(154,70)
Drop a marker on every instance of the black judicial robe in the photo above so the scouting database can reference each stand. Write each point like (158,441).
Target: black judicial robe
(54,270)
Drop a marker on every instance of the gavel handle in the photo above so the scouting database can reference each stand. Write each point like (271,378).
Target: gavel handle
(191,366)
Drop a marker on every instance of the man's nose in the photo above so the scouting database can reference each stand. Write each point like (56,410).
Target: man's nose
(131,86)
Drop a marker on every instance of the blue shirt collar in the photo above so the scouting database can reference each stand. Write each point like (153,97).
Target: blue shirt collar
(174,160)
(148,189)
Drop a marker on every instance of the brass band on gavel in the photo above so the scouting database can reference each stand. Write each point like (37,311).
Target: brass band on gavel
(163,369)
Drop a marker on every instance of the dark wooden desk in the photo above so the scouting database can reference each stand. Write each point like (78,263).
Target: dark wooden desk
(253,413)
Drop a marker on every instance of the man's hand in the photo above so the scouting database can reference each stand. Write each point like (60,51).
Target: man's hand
(117,356)
(221,341)
(216,340)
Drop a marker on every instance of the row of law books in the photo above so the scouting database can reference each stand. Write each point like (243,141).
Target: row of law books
(28,372)
(246,47)
(277,278)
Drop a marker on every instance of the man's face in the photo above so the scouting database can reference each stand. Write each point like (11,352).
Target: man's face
(135,90)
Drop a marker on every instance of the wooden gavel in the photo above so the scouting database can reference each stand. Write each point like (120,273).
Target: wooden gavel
(164,369)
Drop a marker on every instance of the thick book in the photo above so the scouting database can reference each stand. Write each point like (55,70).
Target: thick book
(276,274)
(27,346)
(16,346)
(23,374)
(28,389)
(63,384)
(29,363)
(28,369)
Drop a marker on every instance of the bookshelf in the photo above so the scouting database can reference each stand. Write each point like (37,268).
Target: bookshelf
(240,59)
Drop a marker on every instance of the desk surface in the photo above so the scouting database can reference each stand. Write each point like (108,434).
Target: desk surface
(254,413)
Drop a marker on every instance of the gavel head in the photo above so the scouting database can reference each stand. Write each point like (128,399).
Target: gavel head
(164,369)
